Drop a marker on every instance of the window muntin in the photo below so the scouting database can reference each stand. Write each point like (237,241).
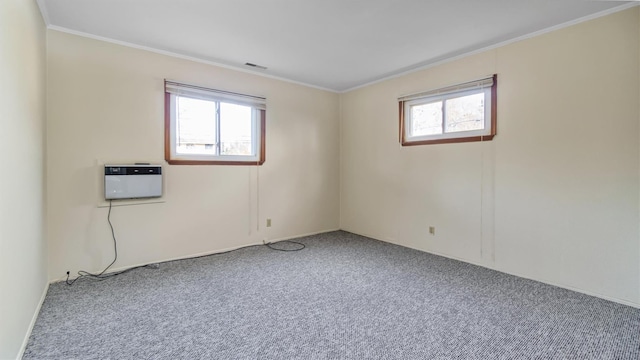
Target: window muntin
(460,113)
(206,126)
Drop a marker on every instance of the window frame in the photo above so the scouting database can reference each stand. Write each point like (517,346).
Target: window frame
(443,94)
(258,124)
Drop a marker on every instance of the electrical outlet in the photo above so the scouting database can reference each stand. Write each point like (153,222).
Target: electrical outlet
(432,230)
(268,222)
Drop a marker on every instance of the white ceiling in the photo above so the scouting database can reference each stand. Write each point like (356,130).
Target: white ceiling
(331,44)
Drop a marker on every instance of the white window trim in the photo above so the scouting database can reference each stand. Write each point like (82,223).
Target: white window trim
(450,135)
(258,108)
(488,86)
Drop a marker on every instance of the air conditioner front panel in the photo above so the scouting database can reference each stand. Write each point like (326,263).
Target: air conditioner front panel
(132,181)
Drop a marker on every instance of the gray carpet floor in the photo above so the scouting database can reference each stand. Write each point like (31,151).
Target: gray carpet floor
(343,297)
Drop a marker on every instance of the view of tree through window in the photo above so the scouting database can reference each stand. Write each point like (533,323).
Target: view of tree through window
(463,113)
(458,113)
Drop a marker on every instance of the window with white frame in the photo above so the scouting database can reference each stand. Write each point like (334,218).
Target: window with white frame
(459,113)
(208,126)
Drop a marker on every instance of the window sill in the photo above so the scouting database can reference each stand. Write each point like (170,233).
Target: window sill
(448,141)
(214,162)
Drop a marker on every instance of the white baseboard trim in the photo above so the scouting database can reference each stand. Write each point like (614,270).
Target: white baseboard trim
(303,235)
(544,281)
(183,257)
(33,322)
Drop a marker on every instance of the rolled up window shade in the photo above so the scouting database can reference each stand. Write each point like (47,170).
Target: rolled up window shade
(476,84)
(200,92)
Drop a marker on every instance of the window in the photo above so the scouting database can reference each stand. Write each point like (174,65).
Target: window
(207,126)
(460,113)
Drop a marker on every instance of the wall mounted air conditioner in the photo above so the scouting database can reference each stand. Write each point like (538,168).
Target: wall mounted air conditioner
(132,181)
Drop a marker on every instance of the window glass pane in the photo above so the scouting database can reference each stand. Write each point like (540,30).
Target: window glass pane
(195,126)
(465,113)
(235,129)
(426,119)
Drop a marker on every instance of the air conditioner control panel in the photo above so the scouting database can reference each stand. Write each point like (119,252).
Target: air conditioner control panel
(132,181)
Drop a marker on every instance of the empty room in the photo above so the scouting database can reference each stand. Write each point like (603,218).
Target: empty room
(286,179)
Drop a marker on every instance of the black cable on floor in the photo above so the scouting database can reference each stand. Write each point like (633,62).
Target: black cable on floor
(102,275)
(267,244)
(301,245)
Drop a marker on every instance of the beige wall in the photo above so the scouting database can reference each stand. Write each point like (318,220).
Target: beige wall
(23,263)
(553,198)
(106,106)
